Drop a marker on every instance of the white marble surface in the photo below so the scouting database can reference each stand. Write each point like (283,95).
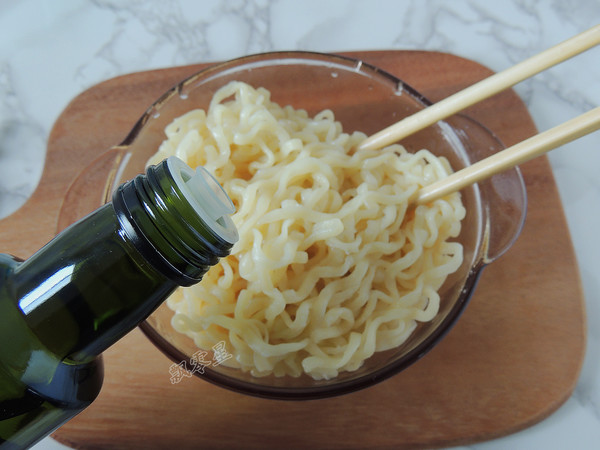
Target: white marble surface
(53,50)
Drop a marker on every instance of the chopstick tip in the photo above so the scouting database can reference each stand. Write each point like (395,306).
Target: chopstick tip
(370,143)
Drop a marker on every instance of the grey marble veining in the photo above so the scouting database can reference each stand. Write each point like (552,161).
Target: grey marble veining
(52,51)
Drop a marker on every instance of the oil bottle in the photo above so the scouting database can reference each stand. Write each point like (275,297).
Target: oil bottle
(92,284)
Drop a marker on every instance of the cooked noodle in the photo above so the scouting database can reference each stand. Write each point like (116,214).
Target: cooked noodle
(330,267)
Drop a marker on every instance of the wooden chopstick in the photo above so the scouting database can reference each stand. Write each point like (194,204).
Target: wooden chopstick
(512,156)
(484,89)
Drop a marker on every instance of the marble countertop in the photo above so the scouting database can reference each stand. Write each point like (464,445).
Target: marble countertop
(52,51)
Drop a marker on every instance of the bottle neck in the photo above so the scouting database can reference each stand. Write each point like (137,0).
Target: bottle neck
(88,287)
(102,276)
(158,219)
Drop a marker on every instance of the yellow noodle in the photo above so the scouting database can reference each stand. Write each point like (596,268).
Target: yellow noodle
(329,268)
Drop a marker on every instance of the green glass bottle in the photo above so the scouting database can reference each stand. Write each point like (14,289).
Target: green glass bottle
(92,284)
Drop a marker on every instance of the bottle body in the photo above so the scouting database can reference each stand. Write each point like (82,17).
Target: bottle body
(38,392)
(59,310)
(83,291)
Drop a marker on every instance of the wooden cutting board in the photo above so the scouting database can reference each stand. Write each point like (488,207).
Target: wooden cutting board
(512,359)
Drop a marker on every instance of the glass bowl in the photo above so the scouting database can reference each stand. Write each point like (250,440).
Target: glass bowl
(363,98)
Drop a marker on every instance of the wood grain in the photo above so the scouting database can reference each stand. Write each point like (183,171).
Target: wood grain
(512,359)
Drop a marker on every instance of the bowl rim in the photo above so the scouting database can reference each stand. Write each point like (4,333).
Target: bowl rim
(218,67)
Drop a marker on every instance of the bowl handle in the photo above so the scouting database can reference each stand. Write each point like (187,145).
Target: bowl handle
(83,195)
(504,194)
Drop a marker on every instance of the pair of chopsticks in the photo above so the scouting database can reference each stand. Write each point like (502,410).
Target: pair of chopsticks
(512,156)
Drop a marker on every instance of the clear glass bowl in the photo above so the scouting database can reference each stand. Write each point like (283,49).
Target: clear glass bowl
(363,98)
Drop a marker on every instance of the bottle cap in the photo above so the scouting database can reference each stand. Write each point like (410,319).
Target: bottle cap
(206,196)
